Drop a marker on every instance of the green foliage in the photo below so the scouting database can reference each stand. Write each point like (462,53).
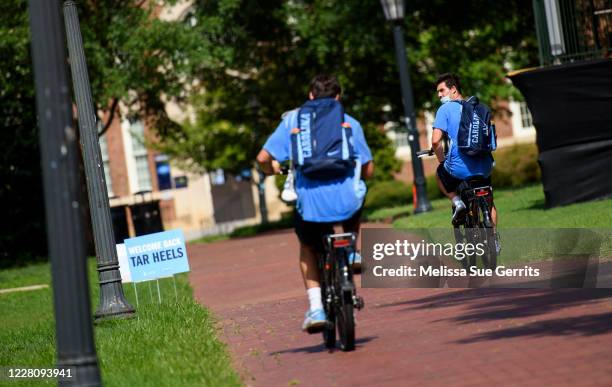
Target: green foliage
(275,47)
(22,231)
(516,165)
(383,153)
(244,63)
(393,193)
(132,57)
(388,194)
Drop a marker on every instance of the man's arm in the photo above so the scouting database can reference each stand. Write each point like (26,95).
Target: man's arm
(267,164)
(436,143)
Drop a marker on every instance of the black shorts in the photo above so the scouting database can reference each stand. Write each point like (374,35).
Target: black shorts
(312,233)
(450,182)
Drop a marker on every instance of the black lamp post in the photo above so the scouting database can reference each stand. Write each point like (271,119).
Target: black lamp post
(60,163)
(394,12)
(112,300)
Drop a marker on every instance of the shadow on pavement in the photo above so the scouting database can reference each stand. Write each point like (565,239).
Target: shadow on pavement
(589,325)
(492,304)
(497,304)
(319,348)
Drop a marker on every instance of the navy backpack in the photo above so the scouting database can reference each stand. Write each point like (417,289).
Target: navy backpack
(322,144)
(476,132)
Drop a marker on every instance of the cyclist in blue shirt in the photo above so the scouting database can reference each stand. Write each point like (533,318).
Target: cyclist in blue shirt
(457,166)
(320,203)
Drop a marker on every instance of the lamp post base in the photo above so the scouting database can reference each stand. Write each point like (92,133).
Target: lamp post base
(420,208)
(86,371)
(112,300)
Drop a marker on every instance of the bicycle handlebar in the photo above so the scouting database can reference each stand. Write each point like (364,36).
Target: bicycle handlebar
(426,152)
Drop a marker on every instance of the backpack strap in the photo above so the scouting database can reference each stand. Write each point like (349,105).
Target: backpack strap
(473,100)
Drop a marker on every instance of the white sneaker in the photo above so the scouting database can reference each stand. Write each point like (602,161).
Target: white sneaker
(289,195)
(459,213)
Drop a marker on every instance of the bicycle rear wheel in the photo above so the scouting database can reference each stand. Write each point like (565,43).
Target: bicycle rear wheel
(345,318)
(487,236)
(329,332)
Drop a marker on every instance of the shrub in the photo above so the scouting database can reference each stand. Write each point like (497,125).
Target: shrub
(389,193)
(515,166)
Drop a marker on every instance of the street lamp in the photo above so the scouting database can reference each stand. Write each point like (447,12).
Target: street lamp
(394,12)
(112,300)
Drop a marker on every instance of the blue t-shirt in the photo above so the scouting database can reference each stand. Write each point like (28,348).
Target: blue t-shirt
(457,163)
(321,201)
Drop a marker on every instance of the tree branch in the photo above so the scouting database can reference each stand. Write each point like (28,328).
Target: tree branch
(111,117)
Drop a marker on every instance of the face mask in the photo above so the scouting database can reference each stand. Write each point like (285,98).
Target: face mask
(445,99)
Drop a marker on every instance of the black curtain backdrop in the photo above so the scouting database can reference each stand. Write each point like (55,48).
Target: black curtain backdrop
(571,106)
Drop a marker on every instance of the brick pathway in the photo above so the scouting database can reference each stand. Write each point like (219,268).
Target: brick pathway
(433,337)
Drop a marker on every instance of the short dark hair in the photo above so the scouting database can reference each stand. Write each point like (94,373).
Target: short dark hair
(450,80)
(323,86)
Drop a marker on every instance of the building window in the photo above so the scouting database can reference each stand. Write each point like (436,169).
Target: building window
(164,176)
(107,175)
(140,156)
(526,119)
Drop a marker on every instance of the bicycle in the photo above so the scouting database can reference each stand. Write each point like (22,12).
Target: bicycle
(476,226)
(338,290)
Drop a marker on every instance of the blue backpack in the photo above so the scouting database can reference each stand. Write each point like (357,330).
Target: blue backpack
(476,134)
(322,144)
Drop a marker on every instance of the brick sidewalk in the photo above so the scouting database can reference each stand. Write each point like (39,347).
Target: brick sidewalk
(436,337)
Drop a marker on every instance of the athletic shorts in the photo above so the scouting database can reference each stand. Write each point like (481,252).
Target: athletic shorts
(450,182)
(312,233)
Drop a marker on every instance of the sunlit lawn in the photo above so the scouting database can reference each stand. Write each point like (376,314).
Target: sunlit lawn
(169,344)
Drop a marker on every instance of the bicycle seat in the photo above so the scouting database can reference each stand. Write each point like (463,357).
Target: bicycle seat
(472,182)
(476,181)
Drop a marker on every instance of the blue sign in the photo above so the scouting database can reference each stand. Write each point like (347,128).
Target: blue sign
(157,255)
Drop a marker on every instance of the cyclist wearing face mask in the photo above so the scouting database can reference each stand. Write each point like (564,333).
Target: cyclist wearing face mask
(456,166)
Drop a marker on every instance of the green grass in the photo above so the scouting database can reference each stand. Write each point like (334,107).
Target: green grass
(168,344)
(25,276)
(388,214)
(520,208)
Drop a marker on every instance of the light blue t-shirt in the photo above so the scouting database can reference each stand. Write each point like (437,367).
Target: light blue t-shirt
(321,201)
(457,163)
